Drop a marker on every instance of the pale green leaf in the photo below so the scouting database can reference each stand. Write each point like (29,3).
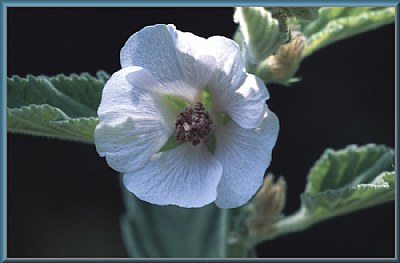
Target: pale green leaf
(259,33)
(348,199)
(337,23)
(63,107)
(75,95)
(327,14)
(341,182)
(45,120)
(305,14)
(350,179)
(336,169)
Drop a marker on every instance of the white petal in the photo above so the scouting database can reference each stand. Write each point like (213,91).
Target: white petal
(177,60)
(240,95)
(133,125)
(186,176)
(193,54)
(246,106)
(230,71)
(245,155)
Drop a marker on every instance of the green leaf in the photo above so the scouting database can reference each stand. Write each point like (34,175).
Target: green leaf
(75,95)
(336,169)
(172,232)
(342,182)
(63,107)
(337,23)
(350,179)
(45,120)
(351,198)
(306,14)
(327,14)
(259,33)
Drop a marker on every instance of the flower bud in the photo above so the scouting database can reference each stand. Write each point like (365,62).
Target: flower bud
(267,208)
(282,66)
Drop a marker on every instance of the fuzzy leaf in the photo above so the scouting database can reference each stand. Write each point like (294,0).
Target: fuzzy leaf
(45,120)
(341,182)
(351,198)
(337,23)
(350,179)
(259,33)
(75,95)
(63,107)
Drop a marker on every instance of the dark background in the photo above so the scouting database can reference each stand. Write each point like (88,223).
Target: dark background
(63,199)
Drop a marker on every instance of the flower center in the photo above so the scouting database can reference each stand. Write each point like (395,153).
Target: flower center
(193,124)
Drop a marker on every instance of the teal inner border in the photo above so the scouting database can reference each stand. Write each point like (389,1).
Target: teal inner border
(204,3)
(149,3)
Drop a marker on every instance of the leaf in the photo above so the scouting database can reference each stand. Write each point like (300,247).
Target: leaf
(350,179)
(172,232)
(339,168)
(45,120)
(352,198)
(337,23)
(341,182)
(75,95)
(259,33)
(63,107)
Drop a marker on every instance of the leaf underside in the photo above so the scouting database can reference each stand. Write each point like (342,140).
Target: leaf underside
(350,179)
(63,107)
(337,23)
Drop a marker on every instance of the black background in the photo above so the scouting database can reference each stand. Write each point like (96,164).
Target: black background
(63,199)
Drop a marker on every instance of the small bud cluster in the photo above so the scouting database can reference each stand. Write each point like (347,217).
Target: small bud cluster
(193,124)
(281,67)
(268,204)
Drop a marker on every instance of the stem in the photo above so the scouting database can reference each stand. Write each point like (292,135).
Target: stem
(303,219)
(237,250)
(152,231)
(295,223)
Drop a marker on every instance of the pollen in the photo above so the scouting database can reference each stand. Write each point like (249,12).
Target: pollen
(193,125)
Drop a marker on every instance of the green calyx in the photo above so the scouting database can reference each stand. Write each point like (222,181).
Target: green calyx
(223,118)
(174,102)
(206,99)
(178,104)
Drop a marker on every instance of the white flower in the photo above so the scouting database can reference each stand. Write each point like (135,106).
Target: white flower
(220,156)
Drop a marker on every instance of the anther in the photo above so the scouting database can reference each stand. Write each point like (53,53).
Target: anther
(193,124)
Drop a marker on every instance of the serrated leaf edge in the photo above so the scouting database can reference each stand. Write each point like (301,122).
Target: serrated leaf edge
(48,132)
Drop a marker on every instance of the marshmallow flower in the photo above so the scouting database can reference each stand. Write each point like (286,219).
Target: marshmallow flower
(184,122)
